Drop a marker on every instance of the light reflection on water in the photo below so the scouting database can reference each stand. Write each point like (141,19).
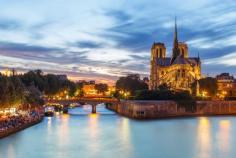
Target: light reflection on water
(204,141)
(93,134)
(224,136)
(106,135)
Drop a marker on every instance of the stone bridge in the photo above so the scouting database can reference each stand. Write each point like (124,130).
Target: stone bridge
(90,101)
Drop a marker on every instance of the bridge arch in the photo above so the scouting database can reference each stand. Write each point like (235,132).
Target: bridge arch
(89,101)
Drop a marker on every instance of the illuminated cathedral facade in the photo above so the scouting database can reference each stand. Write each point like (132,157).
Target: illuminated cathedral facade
(178,71)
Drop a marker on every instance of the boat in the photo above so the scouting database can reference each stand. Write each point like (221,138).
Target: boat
(49,111)
(65,110)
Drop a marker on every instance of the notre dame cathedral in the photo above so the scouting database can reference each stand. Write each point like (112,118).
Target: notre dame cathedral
(178,71)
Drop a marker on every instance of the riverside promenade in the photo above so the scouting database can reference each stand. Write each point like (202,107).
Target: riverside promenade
(12,123)
(143,109)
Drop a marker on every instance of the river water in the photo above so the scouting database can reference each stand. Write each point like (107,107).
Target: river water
(107,135)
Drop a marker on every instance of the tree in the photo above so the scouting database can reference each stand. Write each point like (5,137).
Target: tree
(4,91)
(33,96)
(12,91)
(18,93)
(208,85)
(36,78)
(101,88)
(131,83)
(53,84)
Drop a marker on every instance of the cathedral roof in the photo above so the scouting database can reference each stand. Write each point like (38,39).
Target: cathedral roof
(178,60)
(163,61)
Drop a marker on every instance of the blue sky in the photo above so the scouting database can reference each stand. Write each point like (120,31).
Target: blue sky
(105,39)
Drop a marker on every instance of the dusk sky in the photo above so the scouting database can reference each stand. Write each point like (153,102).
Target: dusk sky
(105,39)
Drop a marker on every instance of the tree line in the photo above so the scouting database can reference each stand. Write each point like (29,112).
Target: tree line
(29,88)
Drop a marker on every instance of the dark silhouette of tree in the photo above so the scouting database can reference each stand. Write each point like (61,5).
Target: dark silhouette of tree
(33,96)
(101,88)
(28,88)
(207,84)
(131,83)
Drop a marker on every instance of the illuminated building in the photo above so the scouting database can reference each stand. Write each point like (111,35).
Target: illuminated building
(89,90)
(226,85)
(178,71)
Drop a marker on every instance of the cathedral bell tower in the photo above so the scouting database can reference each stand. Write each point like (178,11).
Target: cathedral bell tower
(158,52)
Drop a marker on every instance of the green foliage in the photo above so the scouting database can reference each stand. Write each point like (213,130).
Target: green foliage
(33,96)
(36,78)
(131,83)
(185,100)
(101,87)
(54,85)
(12,91)
(115,94)
(207,84)
(49,84)
(28,88)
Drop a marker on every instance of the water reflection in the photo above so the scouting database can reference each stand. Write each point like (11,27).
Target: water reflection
(204,142)
(93,134)
(63,129)
(49,125)
(124,135)
(113,136)
(224,136)
(11,151)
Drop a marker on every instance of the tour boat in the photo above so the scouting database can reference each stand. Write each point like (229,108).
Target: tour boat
(49,111)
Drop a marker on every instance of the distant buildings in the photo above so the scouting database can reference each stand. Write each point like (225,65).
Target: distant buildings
(89,90)
(226,85)
(9,72)
(178,71)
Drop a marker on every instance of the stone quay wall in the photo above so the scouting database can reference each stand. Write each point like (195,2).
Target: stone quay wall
(140,109)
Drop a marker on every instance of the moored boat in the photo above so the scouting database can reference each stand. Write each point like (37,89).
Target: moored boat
(49,111)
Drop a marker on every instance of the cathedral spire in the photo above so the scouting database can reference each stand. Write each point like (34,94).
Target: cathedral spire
(198,58)
(176,33)
(175,51)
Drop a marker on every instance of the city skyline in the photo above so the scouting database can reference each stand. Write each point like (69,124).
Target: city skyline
(87,40)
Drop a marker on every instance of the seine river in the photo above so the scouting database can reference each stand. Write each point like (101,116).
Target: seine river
(107,135)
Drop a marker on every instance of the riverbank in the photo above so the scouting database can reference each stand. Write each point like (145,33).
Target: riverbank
(12,124)
(18,129)
(140,109)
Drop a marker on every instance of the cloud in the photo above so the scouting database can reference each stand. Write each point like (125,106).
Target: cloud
(227,60)
(103,40)
(87,44)
(7,24)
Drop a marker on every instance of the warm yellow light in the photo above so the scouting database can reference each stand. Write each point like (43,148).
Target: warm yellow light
(204,93)
(224,92)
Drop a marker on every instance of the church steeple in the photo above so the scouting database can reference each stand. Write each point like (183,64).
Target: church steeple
(176,34)
(175,51)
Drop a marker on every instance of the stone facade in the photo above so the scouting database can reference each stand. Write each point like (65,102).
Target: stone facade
(178,71)
(226,85)
(163,109)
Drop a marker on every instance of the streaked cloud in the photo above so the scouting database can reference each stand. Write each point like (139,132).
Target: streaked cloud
(99,40)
